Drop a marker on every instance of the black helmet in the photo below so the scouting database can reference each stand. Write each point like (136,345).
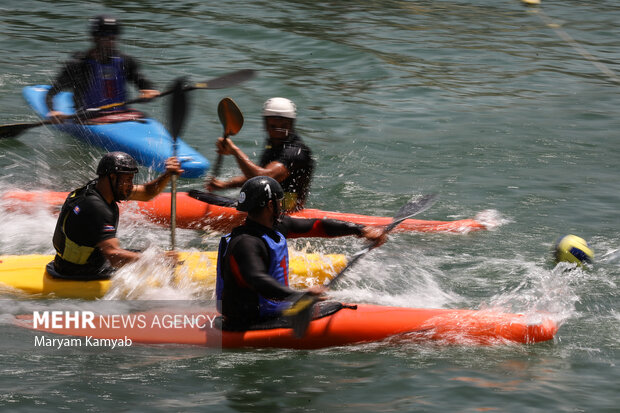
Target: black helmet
(257,192)
(104,26)
(117,163)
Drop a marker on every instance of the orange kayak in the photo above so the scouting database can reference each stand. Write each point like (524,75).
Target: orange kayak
(194,214)
(351,324)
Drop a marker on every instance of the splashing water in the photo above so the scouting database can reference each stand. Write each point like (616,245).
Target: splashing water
(29,232)
(491,219)
(152,278)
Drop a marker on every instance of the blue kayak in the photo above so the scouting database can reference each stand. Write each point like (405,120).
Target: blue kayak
(145,139)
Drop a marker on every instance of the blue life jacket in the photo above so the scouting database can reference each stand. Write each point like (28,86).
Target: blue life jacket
(107,84)
(278,269)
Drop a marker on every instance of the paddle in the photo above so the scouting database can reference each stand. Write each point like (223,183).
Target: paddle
(178,110)
(231,119)
(300,312)
(231,79)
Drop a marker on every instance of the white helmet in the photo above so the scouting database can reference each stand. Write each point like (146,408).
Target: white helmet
(280,107)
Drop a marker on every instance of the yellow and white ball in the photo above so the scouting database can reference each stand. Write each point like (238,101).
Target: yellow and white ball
(574,249)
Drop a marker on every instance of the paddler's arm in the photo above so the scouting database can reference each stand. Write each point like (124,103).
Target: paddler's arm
(238,181)
(214,184)
(151,189)
(60,83)
(111,249)
(63,81)
(327,228)
(275,169)
(134,75)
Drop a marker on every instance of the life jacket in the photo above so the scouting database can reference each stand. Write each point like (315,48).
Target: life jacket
(278,269)
(67,249)
(69,253)
(297,184)
(106,85)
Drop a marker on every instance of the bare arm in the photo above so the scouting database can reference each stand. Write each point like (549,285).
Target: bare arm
(275,170)
(111,249)
(214,183)
(118,257)
(151,189)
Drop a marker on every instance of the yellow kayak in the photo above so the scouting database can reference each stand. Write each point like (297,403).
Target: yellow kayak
(27,274)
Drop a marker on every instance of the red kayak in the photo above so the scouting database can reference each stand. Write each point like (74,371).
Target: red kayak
(196,214)
(344,325)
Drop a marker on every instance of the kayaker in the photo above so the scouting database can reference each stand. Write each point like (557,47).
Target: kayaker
(85,236)
(285,158)
(252,268)
(99,76)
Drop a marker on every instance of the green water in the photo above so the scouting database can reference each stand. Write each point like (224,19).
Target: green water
(483,102)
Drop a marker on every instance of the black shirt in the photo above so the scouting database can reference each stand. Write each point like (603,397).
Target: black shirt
(297,158)
(85,220)
(245,276)
(245,266)
(77,72)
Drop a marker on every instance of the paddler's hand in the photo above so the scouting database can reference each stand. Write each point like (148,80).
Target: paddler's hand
(172,258)
(148,94)
(214,184)
(375,234)
(225,146)
(56,116)
(173,166)
(318,291)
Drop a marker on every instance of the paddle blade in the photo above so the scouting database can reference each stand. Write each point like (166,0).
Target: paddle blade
(228,80)
(13,130)
(232,120)
(300,314)
(301,311)
(178,108)
(412,208)
(230,116)
(408,210)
